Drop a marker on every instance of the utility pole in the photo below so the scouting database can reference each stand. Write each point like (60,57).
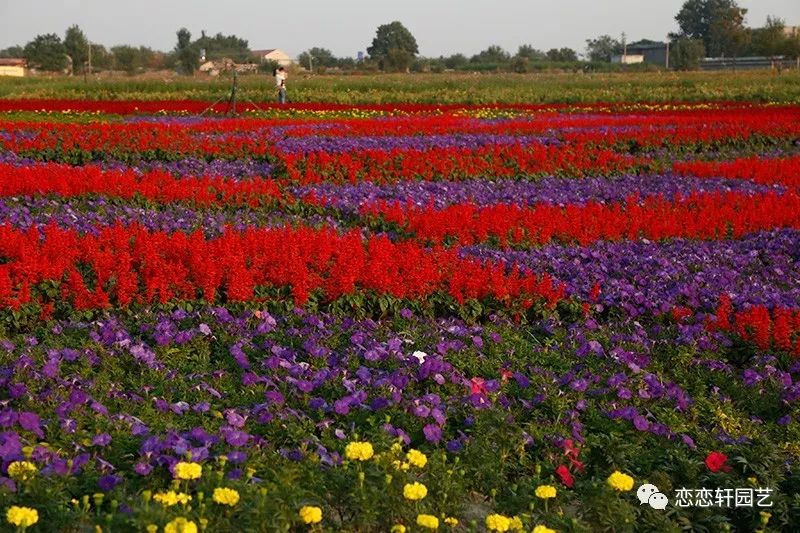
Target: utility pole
(89,62)
(666,56)
(624,50)
(310,63)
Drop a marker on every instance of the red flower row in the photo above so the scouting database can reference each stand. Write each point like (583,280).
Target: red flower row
(160,186)
(122,265)
(698,216)
(779,328)
(382,166)
(781,170)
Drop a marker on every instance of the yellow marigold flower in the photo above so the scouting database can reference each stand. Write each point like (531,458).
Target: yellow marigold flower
(226,496)
(396,448)
(310,514)
(543,529)
(498,522)
(427,521)
(151,528)
(545,492)
(415,491)
(359,451)
(22,470)
(398,528)
(417,458)
(22,516)
(184,470)
(516,523)
(620,482)
(451,521)
(181,525)
(170,498)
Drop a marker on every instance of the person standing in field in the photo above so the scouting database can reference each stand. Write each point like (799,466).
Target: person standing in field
(280,83)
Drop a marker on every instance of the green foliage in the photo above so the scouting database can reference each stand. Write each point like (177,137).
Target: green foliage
(562,55)
(223,46)
(685,53)
(77,47)
(718,23)
(187,54)
(12,51)
(531,53)
(493,54)
(317,58)
(46,52)
(602,48)
(393,47)
(126,58)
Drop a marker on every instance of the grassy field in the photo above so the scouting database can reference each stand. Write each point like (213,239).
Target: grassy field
(762,86)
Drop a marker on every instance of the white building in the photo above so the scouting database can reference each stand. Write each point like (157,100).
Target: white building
(628,59)
(273,54)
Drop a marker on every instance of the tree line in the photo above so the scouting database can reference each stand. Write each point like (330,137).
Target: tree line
(705,28)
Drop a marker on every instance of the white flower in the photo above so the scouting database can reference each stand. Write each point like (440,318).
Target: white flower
(420,356)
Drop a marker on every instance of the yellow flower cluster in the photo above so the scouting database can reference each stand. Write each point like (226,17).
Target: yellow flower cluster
(398,528)
(181,525)
(543,529)
(22,516)
(417,458)
(545,492)
(225,496)
(310,514)
(451,521)
(184,470)
(415,491)
(620,482)
(498,522)
(22,470)
(427,521)
(359,451)
(168,499)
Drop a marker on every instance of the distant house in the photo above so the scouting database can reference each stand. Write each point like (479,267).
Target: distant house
(627,59)
(12,67)
(273,54)
(791,31)
(652,51)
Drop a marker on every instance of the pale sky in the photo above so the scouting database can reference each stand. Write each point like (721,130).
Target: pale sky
(441,27)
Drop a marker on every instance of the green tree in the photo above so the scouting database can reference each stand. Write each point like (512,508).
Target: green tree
(685,53)
(562,55)
(529,52)
(102,59)
(455,61)
(187,55)
(223,46)
(317,58)
(602,48)
(126,58)
(493,54)
(77,47)
(393,46)
(46,52)
(12,51)
(718,23)
(770,40)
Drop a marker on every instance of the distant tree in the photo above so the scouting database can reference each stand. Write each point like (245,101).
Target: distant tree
(46,52)
(12,51)
(718,23)
(317,57)
(223,46)
(493,54)
(102,59)
(187,55)
(126,58)
(519,64)
(685,53)
(77,47)
(602,48)
(562,55)
(393,47)
(530,52)
(455,61)
(346,63)
(770,40)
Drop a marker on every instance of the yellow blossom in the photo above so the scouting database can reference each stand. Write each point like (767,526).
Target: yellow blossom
(359,451)
(498,522)
(22,516)
(226,496)
(22,470)
(417,458)
(543,529)
(451,521)
(184,470)
(310,514)
(181,525)
(516,523)
(151,528)
(545,492)
(396,448)
(398,528)
(415,491)
(170,498)
(620,482)
(427,521)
